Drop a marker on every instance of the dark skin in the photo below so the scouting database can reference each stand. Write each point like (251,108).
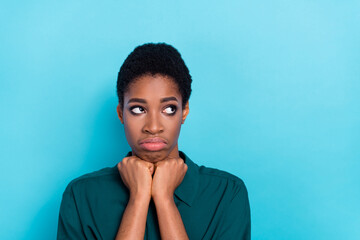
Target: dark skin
(152,108)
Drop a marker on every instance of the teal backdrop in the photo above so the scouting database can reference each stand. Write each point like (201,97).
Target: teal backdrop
(276,101)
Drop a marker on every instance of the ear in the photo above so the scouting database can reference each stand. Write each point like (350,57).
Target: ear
(185,112)
(120,113)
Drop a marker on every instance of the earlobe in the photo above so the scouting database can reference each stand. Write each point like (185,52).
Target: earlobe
(120,113)
(185,112)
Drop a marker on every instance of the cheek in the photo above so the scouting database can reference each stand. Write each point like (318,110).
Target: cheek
(175,127)
(131,130)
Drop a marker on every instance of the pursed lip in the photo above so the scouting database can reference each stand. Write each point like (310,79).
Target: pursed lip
(153,140)
(153,144)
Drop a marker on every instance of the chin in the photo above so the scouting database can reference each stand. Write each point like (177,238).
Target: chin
(153,157)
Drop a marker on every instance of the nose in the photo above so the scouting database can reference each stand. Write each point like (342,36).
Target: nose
(153,124)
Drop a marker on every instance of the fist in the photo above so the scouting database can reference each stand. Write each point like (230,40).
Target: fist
(168,175)
(137,176)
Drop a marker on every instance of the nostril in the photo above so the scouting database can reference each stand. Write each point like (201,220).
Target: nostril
(153,127)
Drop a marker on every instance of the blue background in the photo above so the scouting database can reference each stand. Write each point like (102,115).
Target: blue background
(276,101)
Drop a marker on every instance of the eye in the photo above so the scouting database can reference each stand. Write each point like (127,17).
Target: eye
(170,110)
(137,110)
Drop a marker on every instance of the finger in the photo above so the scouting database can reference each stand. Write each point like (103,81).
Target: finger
(151,169)
(161,162)
(145,163)
(120,165)
(125,159)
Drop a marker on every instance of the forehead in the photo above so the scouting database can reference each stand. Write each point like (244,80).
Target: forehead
(153,87)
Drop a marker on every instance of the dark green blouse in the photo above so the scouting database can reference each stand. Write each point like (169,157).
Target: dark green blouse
(213,205)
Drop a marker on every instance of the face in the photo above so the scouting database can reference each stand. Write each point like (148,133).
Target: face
(152,116)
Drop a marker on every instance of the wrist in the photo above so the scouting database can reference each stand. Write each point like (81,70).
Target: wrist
(163,199)
(139,198)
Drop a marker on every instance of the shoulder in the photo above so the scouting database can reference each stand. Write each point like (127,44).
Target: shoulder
(212,180)
(225,189)
(96,179)
(229,197)
(221,192)
(213,174)
(220,174)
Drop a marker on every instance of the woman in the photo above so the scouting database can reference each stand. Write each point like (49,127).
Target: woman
(156,191)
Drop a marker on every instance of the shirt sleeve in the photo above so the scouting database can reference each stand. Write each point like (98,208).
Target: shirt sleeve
(69,225)
(236,223)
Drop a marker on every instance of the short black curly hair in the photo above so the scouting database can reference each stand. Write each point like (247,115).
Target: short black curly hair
(154,58)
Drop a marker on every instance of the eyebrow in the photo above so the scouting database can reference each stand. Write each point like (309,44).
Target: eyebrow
(141,100)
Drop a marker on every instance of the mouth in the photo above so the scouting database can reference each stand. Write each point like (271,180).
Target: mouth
(153,144)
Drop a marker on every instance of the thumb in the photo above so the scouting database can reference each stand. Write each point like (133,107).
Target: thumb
(151,168)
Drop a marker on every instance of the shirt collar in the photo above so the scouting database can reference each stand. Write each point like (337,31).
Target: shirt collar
(187,189)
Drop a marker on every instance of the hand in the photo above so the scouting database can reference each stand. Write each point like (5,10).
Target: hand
(137,177)
(168,175)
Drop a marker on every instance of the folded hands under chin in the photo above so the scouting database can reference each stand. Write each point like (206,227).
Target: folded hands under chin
(147,180)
